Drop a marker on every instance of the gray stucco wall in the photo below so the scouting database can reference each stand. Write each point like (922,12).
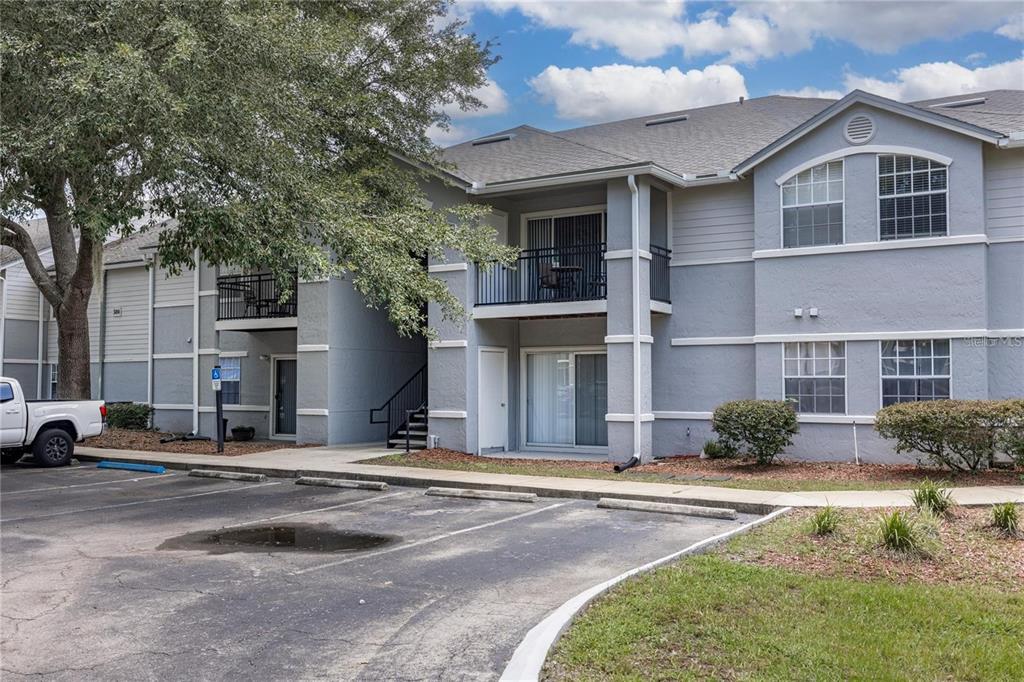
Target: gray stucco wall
(125,381)
(172,329)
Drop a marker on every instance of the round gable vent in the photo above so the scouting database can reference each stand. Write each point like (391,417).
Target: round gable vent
(859,129)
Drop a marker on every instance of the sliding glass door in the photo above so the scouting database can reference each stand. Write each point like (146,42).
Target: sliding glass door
(566,398)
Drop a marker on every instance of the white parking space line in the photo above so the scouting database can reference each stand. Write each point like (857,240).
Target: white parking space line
(321,509)
(425,541)
(85,485)
(138,502)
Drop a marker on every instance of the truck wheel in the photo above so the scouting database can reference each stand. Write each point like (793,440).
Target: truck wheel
(11,456)
(53,448)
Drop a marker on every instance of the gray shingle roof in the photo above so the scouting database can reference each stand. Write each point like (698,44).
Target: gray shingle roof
(711,139)
(40,237)
(1001,112)
(136,246)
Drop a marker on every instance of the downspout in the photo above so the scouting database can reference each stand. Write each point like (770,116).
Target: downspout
(39,350)
(3,314)
(635,459)
(195,343)
(102,331)
(151,266)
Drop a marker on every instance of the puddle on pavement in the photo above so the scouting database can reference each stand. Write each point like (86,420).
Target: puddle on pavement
(292,537)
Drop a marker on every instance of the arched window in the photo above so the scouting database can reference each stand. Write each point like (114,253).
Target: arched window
(911,197)
(812,206)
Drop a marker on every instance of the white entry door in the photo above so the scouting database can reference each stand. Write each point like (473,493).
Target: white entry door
(493,398)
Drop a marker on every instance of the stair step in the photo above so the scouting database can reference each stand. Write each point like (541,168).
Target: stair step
(412,433)
(413,444)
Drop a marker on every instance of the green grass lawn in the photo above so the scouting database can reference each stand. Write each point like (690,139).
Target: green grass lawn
(497,466)
(708,617)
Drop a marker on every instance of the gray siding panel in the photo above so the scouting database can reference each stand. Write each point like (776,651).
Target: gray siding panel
(124,381)
(177,290)
(715,222)
(127,314)
(1004,193)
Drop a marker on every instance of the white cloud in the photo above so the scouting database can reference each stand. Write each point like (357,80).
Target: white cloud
(975,58)
(491,95)
(748,31)
(1013,29)
(616,91)
(940,79)
(810,91)
(454,134)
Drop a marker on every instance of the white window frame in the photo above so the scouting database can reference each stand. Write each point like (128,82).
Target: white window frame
(238,381)
(934,158)
(53,381)
(882,376)
(843,376)
(783,207)
(522,392)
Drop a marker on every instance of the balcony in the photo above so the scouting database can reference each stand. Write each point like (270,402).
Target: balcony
(253,302)
(558,274)
(660,279)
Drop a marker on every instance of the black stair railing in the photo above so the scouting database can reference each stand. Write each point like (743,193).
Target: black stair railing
(397,410)
(660,274)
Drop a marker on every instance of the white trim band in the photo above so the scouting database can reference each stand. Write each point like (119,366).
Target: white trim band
(802,418)
(172,406)
(862,149)
(453,343)
(172,356)
(886,245)
(206,409)
(623,254)
(627,417)
(628,338)
(447,414)
(709,261)
(713,341)
(209,292)
(312,412)
(234,353)
(851,336)
(448,267)
(312,347)
(487,312)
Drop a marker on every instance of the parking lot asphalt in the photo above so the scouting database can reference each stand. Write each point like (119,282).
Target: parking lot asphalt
(107,574)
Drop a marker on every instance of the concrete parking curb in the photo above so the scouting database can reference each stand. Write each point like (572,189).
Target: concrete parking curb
(667,508)
(482,494)
(229,475)
(341,483)
(528,658)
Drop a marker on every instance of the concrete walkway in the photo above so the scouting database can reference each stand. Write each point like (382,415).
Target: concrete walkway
(341,462)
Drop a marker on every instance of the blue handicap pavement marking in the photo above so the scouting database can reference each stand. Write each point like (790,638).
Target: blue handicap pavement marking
(131,466)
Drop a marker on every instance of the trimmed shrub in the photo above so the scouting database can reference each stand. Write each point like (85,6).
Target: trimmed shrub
(1010,439)
(132,416)
(958,434)
(715,450)
(760,428)
(933,497)
(1006,518)
(825,520)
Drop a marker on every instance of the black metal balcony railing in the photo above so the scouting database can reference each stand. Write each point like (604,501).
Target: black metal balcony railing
(549,275)
(660,290)
(253,297)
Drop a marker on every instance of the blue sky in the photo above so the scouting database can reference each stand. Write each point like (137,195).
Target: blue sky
(575,62)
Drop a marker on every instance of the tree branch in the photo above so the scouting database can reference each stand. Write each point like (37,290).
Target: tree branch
(18,238)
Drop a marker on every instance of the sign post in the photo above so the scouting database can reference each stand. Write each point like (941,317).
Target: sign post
(215,378)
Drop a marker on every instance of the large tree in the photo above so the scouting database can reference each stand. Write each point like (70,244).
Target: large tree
(267,129)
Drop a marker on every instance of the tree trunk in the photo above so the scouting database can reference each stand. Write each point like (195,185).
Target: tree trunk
(73,372)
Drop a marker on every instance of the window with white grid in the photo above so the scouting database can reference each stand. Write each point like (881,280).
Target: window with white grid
(815,376)
(915,370)
(230,380)
(812,206)
(911,197)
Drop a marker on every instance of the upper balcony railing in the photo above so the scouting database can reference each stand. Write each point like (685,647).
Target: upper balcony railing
(555,274)
(254,297)
(660,290)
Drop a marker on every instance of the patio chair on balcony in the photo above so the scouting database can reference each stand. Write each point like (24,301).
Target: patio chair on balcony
(548,278)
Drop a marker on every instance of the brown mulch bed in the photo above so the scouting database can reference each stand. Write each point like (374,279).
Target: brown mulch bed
(123,439)
(970,553)
(748,469)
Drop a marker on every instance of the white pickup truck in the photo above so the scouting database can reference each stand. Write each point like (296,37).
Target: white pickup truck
(46,429)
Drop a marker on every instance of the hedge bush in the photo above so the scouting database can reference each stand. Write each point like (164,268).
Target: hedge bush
(133,416)
(760,428)
(959,434)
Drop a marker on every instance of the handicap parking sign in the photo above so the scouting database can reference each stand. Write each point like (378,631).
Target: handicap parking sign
(215,377)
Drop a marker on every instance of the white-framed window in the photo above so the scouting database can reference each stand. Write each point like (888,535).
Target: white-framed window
(812,206)
(911,197)
(915,370)
(815,376)
(53,382)
(231,380)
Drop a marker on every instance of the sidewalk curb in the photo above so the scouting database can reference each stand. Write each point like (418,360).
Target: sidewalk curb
(666,508)
(228,475)
(470,493)
(528,659)
(742,507)
(336,482)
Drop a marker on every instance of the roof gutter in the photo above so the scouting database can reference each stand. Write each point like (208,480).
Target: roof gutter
(1012,141)
(676,179)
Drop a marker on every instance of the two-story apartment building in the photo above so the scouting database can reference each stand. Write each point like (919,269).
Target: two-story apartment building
(308,368)
(843,254)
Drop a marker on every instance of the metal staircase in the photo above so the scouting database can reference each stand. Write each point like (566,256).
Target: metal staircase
(405,414)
